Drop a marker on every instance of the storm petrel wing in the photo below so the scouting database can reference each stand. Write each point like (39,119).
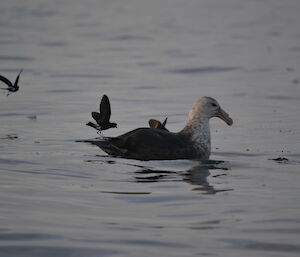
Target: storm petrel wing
(105,111)
(163,125)
(6,81)
(97,117)
(17,79)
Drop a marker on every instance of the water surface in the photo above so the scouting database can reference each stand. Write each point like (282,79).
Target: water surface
(153,59)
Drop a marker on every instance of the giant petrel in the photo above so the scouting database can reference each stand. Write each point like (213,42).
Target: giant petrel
(192,142)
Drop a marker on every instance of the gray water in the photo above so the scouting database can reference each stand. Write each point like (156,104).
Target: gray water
(59,197)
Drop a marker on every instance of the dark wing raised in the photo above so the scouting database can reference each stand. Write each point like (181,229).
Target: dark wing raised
(17,79)
(105,109)
(6,81)
(164,123)
(96,116)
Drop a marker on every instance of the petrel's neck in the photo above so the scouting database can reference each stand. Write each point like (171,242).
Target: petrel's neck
(199,131)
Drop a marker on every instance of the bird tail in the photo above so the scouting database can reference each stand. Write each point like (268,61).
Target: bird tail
(107,146)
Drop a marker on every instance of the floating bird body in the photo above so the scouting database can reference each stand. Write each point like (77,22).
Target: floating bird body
(192,142)
(11,87)
(103,117)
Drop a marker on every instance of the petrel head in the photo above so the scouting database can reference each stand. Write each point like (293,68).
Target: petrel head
(208,107)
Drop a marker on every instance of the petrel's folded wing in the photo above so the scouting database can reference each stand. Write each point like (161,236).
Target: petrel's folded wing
(154,123)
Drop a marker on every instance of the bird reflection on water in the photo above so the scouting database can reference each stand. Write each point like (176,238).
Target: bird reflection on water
(197,175)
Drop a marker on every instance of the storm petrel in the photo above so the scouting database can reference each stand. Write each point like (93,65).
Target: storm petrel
(11,87)
(192,142)
(157,124)
(102,117)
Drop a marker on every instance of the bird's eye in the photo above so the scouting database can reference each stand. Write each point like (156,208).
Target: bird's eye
(213,104)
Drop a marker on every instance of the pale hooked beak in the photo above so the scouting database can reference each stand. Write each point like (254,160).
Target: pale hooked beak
(224,116)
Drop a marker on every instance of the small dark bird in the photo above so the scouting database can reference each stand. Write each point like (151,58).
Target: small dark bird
(157,124)
(103,117)
(11,87)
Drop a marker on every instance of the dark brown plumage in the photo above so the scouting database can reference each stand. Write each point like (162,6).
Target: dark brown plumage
(102,118)
(192,142)
(11,87)
(157,124)
(149,144)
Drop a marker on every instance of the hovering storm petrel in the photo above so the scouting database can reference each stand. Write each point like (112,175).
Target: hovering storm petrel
(11,87)
(157,124)
(103,117)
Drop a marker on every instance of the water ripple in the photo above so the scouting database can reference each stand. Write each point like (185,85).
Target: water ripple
(129,37)
(197,70)
(54,43)
(262,246)
(26,236)
(16,58)
(78,75)
(47,251)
